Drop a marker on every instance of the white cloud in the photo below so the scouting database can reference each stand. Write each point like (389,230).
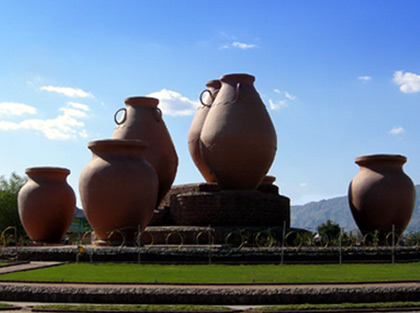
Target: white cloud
(5,125)
(65,126)
(277,104)
(397,130)
(285,93)
(80,106)
(239,45)
(175,104)
(11,108)
(242,45)
(409,82)
(303,185)
(364,78)
(74,112)
(289,96)
(68,91)
(83,133)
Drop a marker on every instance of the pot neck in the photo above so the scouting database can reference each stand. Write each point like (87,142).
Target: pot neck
(379,161)
(213,85)
(47,174)
(118,147)
(148,102)
(237,78)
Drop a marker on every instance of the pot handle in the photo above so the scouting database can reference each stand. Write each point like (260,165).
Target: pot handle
(124,116)
(159,115)
(238,94)
(201,98)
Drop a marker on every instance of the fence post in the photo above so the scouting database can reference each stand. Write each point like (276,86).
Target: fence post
(340,246)
(282,242)
(393,243)
(209,231)
(139,245)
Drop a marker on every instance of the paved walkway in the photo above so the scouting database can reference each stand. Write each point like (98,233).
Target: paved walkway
(27,266)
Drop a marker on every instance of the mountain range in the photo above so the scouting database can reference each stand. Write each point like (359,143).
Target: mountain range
(312,214)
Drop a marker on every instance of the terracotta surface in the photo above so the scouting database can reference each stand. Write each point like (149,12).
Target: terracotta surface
(118,188)
(381,194)
(238,139)
(46,204)
(142,120)
(211,92)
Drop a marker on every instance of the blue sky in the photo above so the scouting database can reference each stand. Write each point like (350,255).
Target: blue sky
(340,79)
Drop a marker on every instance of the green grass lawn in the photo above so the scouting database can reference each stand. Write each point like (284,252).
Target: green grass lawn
(110,272)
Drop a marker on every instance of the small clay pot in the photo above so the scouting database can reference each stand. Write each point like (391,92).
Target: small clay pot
(238,141)
(212,90)
(118,189)
(46,204)
(381,195)
(142,120)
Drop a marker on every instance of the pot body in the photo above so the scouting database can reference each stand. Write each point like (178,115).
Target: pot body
(238,141)
(381,194)
(212,90)
(143,120)
(118,189)
(46,204)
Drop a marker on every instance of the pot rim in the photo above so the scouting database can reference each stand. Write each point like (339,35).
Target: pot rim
(237,76)
(380,157)
(214,83)
(118,142)
(142,101)
(47,169)
(268,179)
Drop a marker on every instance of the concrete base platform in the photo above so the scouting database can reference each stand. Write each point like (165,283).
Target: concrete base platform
(245,294)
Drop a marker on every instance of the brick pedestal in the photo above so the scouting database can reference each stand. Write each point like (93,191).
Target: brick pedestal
(204,204)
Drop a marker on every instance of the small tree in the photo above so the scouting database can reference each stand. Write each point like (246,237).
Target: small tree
(330,230)
(9,189)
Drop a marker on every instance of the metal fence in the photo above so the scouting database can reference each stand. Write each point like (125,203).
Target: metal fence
(274,241)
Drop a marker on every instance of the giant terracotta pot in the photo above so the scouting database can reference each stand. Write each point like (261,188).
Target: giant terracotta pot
(213,87)
(142,120)
(46,204)
(381,194)
(238,141)
(118,189)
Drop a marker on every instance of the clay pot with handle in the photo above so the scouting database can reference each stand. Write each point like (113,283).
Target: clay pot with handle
(238,141)
(213,87)
(381,195)
(142,120)
(46,204)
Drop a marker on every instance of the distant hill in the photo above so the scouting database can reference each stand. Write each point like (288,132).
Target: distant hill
(310,215)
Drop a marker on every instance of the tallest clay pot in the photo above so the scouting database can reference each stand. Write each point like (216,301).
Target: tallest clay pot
(142,119)
(238,141)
